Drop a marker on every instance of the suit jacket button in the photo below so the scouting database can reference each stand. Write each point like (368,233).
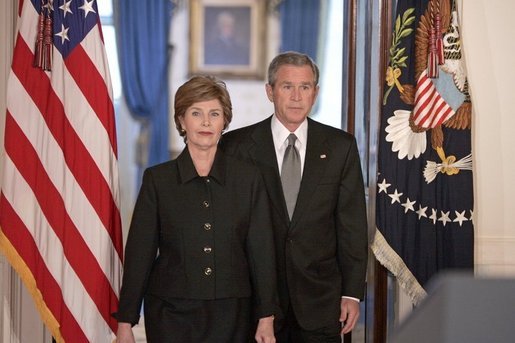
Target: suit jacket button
(207,249)
(205,204)
(208,271)
(207,226)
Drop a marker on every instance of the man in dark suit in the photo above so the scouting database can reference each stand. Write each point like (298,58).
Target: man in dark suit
(321,239)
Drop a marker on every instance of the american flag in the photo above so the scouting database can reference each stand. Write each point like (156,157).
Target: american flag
(59,203)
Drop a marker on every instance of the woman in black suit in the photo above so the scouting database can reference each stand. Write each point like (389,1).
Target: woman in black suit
(200,245)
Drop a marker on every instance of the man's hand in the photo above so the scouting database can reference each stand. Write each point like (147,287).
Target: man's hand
(349,314)
(124,333)
(265,330)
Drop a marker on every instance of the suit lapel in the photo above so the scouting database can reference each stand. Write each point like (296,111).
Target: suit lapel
(314,166)
(263,154)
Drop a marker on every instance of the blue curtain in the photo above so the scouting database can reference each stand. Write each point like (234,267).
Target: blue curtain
(142,33)
(300,26)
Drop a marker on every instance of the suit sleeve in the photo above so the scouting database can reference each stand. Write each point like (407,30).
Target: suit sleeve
(352,226)
(140,252)
(261,252)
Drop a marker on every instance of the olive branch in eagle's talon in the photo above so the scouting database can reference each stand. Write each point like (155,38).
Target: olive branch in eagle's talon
(397,54)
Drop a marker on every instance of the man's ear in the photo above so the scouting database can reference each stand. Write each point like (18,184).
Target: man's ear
(317,88)
(269,92)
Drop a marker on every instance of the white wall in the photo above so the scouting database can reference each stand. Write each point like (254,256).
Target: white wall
(488,29)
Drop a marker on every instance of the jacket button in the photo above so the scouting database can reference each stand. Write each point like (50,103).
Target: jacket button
(205,204)
(208,271)
(207,226)
(207,249)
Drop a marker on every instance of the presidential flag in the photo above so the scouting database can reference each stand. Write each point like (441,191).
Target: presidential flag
(424,195)
(59,202)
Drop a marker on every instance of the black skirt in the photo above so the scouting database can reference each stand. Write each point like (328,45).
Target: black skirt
(195,321)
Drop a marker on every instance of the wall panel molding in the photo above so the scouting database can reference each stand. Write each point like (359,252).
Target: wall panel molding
(495,251)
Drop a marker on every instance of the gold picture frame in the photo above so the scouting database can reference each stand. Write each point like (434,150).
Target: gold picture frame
(227,38)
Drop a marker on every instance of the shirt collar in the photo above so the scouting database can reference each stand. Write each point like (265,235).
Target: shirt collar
(280,133)
(187,171)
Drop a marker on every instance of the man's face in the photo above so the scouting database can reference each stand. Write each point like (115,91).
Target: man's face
(293,94)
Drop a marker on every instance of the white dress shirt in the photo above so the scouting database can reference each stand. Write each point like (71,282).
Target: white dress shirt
(280,135)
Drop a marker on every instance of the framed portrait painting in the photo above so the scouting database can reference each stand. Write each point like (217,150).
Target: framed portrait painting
(227,38)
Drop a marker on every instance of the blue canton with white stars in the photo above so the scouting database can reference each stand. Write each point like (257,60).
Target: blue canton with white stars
(71,21)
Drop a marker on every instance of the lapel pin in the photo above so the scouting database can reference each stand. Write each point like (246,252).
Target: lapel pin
(323,156)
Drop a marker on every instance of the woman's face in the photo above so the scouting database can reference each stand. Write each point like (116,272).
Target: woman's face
(203,122)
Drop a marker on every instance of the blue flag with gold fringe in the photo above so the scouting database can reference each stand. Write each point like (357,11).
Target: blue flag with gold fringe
(424,194)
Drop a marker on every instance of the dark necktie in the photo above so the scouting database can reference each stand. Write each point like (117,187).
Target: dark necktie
(290,174)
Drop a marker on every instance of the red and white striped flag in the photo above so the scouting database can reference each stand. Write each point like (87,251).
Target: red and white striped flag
(60,222)
(430,108)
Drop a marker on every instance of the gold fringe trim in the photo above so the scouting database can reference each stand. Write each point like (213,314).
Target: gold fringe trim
(28,279)
(394,263)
